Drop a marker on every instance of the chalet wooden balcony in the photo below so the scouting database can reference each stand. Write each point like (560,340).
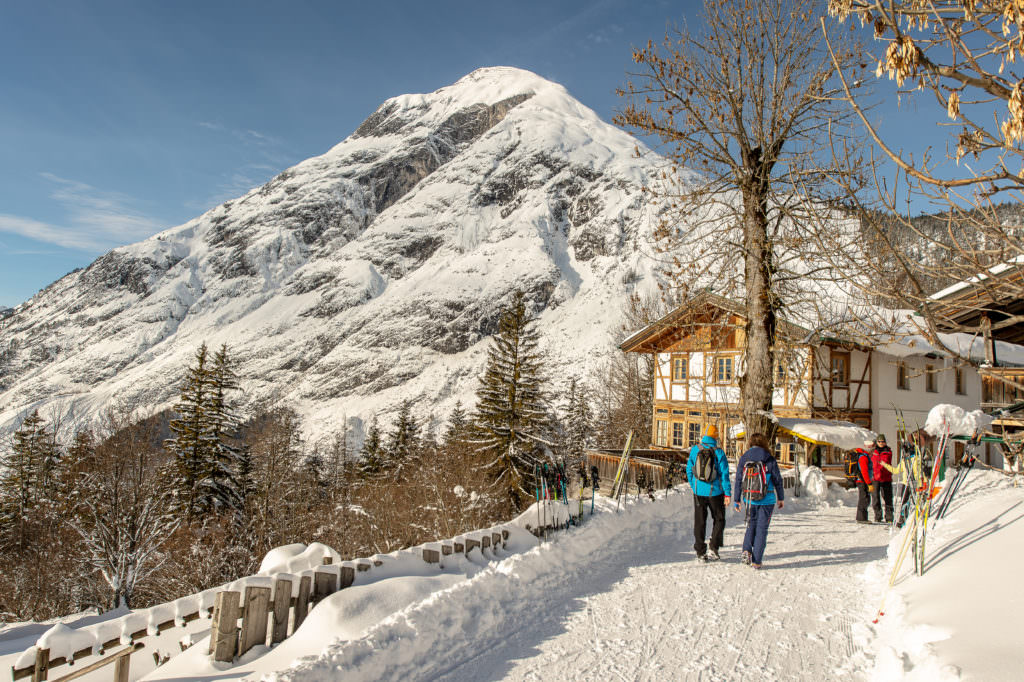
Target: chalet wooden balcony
(996,393)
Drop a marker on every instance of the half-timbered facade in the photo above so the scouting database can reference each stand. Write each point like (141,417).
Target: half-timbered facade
(698,358)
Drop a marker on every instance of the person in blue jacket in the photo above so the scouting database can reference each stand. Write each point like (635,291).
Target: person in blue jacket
(756,537)
(708,495)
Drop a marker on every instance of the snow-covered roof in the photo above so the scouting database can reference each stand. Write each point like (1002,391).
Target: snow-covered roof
(843,435)
(994,271)
(894,332)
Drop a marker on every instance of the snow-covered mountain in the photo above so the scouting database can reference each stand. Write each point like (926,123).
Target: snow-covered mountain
(369,274)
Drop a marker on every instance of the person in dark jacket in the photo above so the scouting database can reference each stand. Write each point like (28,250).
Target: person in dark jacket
(882,478)
(756,537)
(709,496)
(864,481)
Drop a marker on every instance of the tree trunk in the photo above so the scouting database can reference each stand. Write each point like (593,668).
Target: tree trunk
(756,384)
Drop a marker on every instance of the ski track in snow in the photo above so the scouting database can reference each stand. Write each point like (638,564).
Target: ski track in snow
(623,598)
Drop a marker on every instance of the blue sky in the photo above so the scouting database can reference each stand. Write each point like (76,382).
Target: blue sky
(119,119)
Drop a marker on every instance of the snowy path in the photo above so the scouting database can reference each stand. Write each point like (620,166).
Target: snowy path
(647,611)
(623,598)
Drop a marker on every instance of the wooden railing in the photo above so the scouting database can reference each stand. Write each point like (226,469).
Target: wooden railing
(265,612)
(121,661)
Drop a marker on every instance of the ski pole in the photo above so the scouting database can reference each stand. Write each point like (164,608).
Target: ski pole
(538,486)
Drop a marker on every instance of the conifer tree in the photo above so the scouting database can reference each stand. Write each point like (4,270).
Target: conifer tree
(578,424)
(245,485)
(205,457)
(26,474)
(404,442)
(511,418)
(190,445)
(220,484)
(457,430)
(372,456)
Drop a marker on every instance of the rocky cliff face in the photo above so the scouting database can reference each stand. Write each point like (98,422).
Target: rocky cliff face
(369,274)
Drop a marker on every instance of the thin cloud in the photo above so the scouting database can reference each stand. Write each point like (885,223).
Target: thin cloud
(246,135)
(96,220)
(267,158)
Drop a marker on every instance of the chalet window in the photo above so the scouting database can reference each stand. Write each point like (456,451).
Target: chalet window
(723,370)
(839,371)
(661,435)
(678,431)
(929,379)
(958,379)
(902,376)
(679,412)
(693,434)
(662,410)
(679,369)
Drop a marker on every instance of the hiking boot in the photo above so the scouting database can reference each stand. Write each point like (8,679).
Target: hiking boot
(713,556)
(702,558)
(747,559)
(756,567)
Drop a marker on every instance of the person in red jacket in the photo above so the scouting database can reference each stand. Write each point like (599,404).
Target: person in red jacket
(865,485)
(882,478)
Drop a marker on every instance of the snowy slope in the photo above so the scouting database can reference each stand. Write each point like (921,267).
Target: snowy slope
(366,275)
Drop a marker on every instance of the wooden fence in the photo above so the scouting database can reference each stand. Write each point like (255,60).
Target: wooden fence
(640,466)
(268,615)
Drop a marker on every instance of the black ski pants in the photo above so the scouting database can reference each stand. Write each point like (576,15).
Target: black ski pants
(701,505)
(883,493)
(863,501)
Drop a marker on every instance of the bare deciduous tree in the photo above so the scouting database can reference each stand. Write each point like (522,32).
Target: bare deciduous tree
(959,58)
(744,109)
(125,517)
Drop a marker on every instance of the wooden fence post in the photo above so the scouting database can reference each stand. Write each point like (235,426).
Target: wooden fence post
(470,544)
(224,629)
(324,584)
(302,603)
(328,560)
(42,666)
(282,603)
(431,556)
(254,622)
(348,576)
(495,539)
(122,667)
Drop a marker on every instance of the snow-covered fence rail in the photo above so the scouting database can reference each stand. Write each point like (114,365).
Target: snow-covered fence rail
(288,585)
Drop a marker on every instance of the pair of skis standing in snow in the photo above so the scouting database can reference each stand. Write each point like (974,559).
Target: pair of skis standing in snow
(758,485)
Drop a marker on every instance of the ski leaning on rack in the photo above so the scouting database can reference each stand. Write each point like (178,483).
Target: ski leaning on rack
(622,474)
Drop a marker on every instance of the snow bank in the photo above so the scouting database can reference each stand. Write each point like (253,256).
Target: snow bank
(962,617)
(813,482)
(956,420)
(432,634)
(296,558)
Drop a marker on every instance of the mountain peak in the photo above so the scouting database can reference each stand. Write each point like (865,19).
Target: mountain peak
(368,275)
